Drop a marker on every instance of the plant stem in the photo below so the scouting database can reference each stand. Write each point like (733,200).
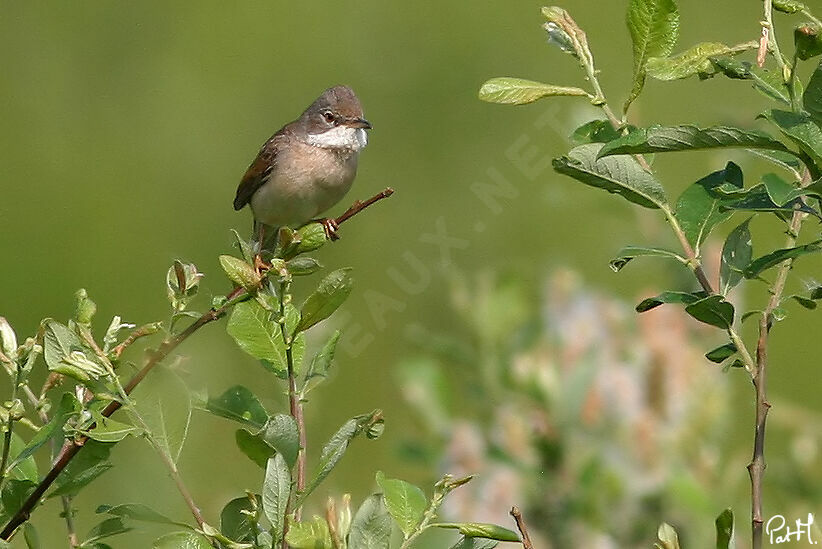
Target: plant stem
(756,468)
(767,24)
(523,530)
(9,426)
(699,273)
(72,447)
(295,406)
(430,514)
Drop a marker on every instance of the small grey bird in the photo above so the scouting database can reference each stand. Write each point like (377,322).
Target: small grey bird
(307,166)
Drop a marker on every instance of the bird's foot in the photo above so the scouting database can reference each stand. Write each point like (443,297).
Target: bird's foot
(331,226)
(260,266)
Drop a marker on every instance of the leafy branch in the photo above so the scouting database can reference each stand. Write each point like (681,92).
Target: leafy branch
(71,447)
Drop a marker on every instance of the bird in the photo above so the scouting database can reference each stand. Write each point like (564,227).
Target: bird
(306,167)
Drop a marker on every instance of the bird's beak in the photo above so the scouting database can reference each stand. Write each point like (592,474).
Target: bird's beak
(358,123)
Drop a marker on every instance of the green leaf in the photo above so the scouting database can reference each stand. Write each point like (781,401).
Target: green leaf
(276,491)
(405,502)
(628,253)
(809,304)
(667,536)
(163,403)
(68,406)
(516,91)
(281,433)
(182,540)
(15,493)
(329,295)
(475,543)
(657,139)
(239,404)
(64,353)
(139,512)
(302,266)
(333,450)
(254,447)
(311,237)
(736,255)
(106,529)
(244,247)
(235,524)
(757,266)
(696,60)
(110,430)
(321,362)
(481,530)
(309,535)
(801,129)
(256,331)
(620,175)
(698,210)
(787,6)
(654,25)
(84,468)
(721,353)
(812,98)
(24,468)
(8,339)
(240,273)
(371,527)
(808,40)
(725,530)
(771,84)
(31,536)
(669,297)
(713,310)
(595,131)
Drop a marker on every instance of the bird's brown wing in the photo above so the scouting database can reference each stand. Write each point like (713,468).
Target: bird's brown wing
(259,170)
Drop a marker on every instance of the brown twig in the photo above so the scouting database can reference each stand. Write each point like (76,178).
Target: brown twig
(72,447)
(756,468)
(526,539)
(142,331)
(358,206)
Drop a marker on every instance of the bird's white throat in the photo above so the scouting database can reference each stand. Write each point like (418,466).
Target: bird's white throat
(340,137)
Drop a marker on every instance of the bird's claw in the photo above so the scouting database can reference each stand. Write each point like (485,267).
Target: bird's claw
(330,225)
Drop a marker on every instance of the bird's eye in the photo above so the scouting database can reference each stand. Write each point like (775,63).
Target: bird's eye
(329,116)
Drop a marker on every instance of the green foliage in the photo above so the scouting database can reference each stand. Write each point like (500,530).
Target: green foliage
(371,527)
(654,27)
(697,60)
(276,494)
(405,502)
(725,530)
(600,158)
(628,253)
(658,139)
(329,295)
(516,91)
(620,175)
(239,404)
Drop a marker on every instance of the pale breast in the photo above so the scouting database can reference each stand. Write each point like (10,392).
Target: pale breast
(307,181)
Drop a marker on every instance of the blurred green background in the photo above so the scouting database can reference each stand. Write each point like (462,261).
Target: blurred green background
(127,125)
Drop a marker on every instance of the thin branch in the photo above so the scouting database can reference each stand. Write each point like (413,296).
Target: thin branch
(142,331)
(358,206)
(526,539)
(756,468)
(295,406)
(72,447)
